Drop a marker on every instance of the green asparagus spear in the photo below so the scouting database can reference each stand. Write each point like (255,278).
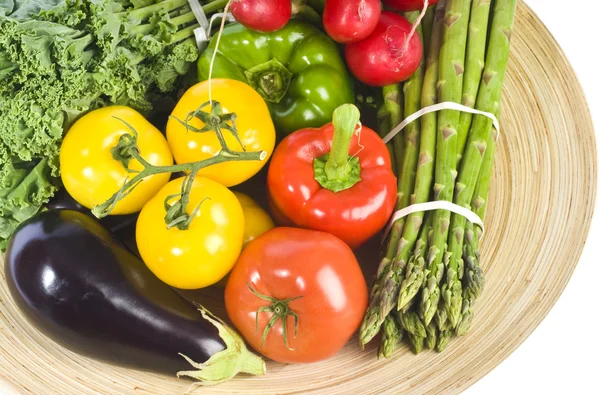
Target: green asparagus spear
(369,327)
(416,343)
(443,339)
(412,324)
(383,128)
(441,314)
(389,115)
(431,339)
(424,175)
(473,279)
(406,179)
(452,56)
(427,26)
(391,101)
(415,269)
(412,103)
(480,196)
(474,63)
(392,335)
(480,138)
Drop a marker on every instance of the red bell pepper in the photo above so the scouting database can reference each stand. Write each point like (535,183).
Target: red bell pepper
(337,179)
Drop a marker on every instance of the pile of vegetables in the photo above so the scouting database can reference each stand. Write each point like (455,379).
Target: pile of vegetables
(62,58)
(253,163)
(297,70)
(82,288)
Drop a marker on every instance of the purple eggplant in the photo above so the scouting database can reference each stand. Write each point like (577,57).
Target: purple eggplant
(81,287)
(122,226)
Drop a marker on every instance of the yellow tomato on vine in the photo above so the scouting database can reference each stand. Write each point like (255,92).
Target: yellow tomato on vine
(202,249)
(192,137)
(89,170)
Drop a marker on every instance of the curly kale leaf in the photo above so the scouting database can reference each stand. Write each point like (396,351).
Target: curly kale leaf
(25,9)
(24,188)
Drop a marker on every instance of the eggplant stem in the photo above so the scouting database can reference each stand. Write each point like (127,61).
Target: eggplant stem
(224,365)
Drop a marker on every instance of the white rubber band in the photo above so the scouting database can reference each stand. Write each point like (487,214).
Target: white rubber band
(436,205)
(227,15)
(202,33)
(438,107)
(198,13)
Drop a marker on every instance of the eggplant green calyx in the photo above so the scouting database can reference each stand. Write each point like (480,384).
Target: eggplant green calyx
(271,79)
(226,364)
(280,310)
(335,171)
(127,149)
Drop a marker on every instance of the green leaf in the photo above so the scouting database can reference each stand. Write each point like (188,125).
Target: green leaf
(24,9)
(24,187)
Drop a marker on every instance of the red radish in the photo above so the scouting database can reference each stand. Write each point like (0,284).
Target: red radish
(407,5)
(262,15)
(387,56)
(349,21)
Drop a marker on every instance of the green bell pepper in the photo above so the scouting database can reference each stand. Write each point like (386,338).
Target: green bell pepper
(298,70)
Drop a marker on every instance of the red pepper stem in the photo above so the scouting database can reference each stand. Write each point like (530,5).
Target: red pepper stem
(345,119)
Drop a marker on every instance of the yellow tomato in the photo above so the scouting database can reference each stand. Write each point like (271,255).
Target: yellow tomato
(205,252)
(257,221)
(253,122)
(90,173)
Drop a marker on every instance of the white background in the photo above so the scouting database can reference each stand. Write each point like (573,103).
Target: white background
(562,356)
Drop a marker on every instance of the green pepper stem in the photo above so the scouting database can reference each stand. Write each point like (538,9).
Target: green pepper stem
(345,119)
(270,79)
(336,171)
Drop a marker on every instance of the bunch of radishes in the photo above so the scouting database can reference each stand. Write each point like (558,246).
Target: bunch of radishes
(379,47)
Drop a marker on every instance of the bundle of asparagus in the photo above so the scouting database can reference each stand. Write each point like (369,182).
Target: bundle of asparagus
(430,277)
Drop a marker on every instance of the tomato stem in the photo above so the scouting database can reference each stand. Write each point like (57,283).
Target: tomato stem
(127,149)
(176,215)
(127,143)
(280,310)
(335,171)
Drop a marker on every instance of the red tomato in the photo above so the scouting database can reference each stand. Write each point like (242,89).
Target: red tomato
(407,5)
(384,58)
(305,273)
(348,21)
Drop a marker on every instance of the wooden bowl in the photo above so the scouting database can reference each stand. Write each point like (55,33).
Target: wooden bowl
(539,216)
